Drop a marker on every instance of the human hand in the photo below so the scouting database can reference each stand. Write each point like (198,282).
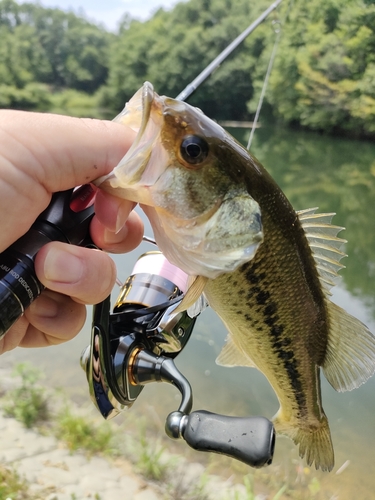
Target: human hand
(41,154)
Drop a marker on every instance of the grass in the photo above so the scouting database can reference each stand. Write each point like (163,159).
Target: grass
(82,433)
(248,494)
(180,489)
(27,402)
(12,486)
(150,462)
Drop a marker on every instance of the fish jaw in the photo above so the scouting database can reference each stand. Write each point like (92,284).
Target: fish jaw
(132,177)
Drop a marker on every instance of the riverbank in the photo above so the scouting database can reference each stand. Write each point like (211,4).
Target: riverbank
(52,472)
(70,453)
(49,471)
(49,468)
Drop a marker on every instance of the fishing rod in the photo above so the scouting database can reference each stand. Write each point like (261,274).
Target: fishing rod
(191,87)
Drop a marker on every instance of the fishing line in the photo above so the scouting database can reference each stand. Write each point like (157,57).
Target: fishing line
(147,239)
(277,30)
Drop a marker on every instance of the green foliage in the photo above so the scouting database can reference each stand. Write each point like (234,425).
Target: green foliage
(324,72)
(32,96)
(323,77)
(75,103)
(44,50)
(81,433)
(27,402)
(150,461)
(12,486)
(172,48)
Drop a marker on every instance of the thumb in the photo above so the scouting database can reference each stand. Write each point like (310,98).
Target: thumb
(44,153)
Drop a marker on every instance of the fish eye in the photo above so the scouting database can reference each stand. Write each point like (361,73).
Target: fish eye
(194,149)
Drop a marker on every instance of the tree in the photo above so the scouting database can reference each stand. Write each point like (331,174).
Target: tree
(172,48)
(323,75)
(51,46)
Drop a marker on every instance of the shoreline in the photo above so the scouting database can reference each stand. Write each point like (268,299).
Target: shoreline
(52,471)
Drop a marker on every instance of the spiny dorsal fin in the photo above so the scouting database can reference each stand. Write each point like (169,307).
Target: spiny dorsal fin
(350,355)
(325,245)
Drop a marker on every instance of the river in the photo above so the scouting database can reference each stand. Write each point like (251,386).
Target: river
(336,175)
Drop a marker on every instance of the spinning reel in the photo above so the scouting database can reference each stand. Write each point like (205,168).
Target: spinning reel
(136,343)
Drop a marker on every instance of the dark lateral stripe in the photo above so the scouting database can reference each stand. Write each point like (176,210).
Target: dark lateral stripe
(281,345)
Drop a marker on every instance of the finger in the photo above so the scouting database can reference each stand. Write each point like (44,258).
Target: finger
(53,318)
(124,240)
(44,153)
(14,336)
(85,274)
(111,211)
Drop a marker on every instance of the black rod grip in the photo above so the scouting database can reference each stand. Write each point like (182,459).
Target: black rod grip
(248,439)
(67,219)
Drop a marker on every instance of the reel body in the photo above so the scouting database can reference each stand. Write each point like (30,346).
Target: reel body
(136,344)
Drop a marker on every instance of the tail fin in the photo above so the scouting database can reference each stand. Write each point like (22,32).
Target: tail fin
(315,443)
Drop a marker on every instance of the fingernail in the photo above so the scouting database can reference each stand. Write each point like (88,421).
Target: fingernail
(62,266)
(122,217)
(44,307)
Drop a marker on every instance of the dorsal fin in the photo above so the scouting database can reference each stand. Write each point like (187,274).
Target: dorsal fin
(325,245)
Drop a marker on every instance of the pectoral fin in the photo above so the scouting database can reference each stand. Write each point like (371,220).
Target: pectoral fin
(231,355)
(193,293)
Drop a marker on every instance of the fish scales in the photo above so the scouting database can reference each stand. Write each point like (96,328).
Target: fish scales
(265,269)
(282,336)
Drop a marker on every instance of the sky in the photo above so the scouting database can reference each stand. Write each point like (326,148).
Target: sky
(109,12)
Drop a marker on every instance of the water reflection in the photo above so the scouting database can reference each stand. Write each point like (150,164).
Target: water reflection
(338,176)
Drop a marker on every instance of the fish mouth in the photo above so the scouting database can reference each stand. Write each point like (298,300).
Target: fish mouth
(137,111)
(142,114)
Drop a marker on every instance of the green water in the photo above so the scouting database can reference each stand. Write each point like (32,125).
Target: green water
(336,175)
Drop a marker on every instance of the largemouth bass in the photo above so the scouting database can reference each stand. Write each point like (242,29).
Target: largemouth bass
(263,267)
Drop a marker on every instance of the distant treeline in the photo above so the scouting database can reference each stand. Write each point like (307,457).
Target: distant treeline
(323,77)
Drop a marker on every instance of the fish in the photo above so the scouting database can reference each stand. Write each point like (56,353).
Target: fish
(263,267)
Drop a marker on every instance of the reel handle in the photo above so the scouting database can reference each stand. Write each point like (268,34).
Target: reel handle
(248,439)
